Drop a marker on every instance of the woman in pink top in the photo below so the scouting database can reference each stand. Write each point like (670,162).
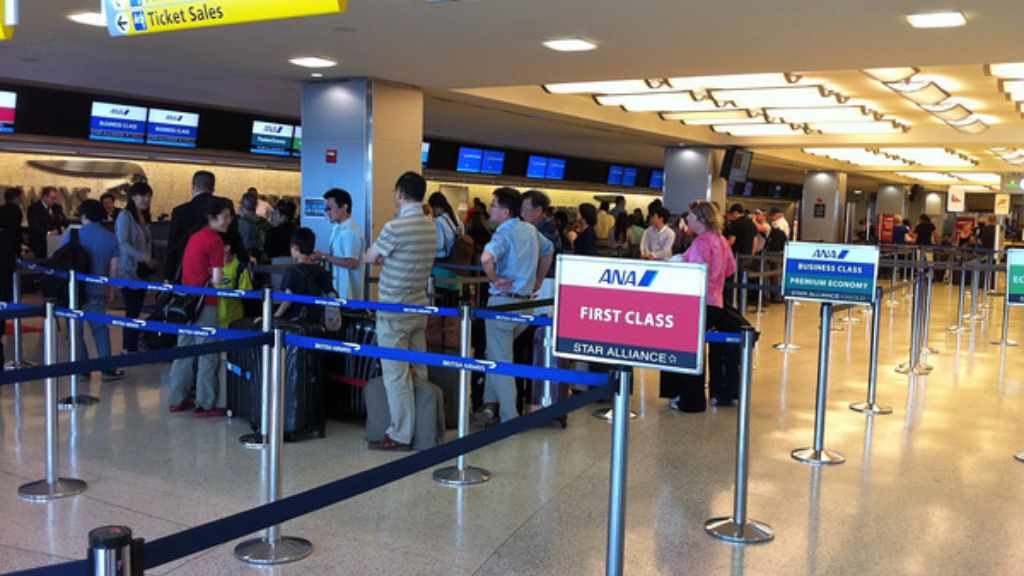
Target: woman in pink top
(711,249)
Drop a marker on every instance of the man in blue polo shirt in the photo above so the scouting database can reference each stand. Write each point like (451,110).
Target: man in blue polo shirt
(515,260)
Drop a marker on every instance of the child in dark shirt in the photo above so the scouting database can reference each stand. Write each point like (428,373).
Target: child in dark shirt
(305,278)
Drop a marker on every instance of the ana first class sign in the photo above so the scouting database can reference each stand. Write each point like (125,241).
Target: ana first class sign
(834,273)
(648,314)
(133,17)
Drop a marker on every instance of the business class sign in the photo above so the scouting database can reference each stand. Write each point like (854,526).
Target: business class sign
(133,17)
(630,312)
(835,273)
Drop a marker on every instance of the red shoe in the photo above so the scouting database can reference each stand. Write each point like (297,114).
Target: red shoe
(210,412)
(183,407)
(386,444)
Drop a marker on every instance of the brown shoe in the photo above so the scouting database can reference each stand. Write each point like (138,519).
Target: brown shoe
(386,444)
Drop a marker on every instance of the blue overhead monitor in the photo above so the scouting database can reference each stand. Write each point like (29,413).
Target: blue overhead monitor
(297,142)
(172,128)
(493,163)
(629,176)
(470,159)
(556,169)
(657,179)
(118,123)
(537,167)
(8,105)
(615,176)
(271,139)
(425,152)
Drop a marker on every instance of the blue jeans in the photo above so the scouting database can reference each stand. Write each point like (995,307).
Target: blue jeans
(100,333)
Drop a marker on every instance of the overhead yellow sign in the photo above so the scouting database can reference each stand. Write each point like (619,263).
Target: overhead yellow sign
(6,32)
(133,17)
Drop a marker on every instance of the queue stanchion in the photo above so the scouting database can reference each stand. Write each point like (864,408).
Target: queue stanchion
(53,486)
(760,285)
(871,406)
(893,302)
(1005,340)
(974,315)
(926,349)
(744,277)
(75,336)
(738,528)
(113,552)
(615,559)
(985,303)
(787,344)
(817,455)
(16,298)
(273,548)
(959,327)
(913,366)
(736,290)
(257,440)
(462,474)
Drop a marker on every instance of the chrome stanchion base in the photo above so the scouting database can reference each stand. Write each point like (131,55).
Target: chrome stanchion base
(12,365)
(286,549)
(80,401)
(959,329)
(1008,342)
(850,320)
(996,293)
(252,441)
(816,458)
(838,328)
(974,317)
(609,414)
(893,304)
(930,350)
(985,306)
(782,346)
(470,475)
(750,532)
(43,491)
(919,370)
(870,408)
(1019,456)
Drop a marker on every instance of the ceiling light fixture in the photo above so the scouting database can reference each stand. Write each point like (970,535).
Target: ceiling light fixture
(709,117)
(670,102)
(823,114)
(891,74)
(1007,70)
(610,87)
(574,44)
(316,75)
(766,80)
(886,127)
(88,18)
(858,156)
(929,176)
(759,130)
(976,127)
(978,177)
(793,97)
(932,156)
(950,19)
(953,114)
(313,62)
(920,92)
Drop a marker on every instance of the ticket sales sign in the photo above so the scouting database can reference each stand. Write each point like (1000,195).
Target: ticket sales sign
(1015,276)
(835,273)
(636,313)
(133,17)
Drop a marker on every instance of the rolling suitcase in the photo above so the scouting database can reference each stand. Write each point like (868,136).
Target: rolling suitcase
(244,377)
(350,374)
(429,427)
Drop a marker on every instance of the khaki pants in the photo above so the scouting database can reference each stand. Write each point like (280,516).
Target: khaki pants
(408,332)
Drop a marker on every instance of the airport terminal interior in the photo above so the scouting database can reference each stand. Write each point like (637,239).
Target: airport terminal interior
(841,120)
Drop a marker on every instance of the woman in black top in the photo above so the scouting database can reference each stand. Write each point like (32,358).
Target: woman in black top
(586,237)
(924,233)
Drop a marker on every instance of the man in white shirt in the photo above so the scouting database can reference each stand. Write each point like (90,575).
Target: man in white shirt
(778,220)
(345,249)
(659,237)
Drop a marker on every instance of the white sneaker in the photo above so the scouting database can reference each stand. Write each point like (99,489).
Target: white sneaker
(674,404)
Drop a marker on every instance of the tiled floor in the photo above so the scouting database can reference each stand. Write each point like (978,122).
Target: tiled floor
(930,489)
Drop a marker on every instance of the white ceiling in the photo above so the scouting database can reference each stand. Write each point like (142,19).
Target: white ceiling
(474,44)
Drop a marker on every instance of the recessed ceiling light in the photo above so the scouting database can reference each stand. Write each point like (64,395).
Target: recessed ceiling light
(569,44)
(950,19)
(316,75)
(313,62)
(88,18)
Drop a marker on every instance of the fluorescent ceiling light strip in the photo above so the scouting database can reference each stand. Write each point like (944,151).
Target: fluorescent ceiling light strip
(921,93)
(822,114)
(673,102)
(767,80)
(929,176)
(931,156)
(758,130)
(1007,70)
(979,177)
(724,121)
(891,74)
(976,127)
(694,117)
(954,114)
(793,97)
(949,19)
(610,87)
(858,156)
(965,121)
(887,127)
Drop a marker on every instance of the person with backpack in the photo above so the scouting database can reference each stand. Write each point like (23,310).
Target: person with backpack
(449,232)
(305,278)
(102,250)
(345,247)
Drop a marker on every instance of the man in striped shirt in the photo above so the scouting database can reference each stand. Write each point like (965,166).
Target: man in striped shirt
(405,248)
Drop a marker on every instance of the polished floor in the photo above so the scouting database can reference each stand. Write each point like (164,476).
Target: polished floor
(930,489)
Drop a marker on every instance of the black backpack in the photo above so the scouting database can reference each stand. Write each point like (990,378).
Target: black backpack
(71,256)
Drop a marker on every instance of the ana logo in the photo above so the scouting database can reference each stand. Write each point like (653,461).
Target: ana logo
(175,117)
(120,111)
(273,128)
(830,254)
(627,278)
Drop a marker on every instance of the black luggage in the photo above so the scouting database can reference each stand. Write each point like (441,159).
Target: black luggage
(348,375)
(304,409)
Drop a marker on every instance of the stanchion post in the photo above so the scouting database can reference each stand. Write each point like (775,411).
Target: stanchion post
(892,281)
(274,548)
(549,362)
(737,528)
(818,455)
(16,298)
(974,295)
(75,400)
(1005,340)
(871,406)
(912,366)
(461,474)
(959,327)
(744,277)
(113,552)
(258,440)
(787,344)
(615,559)
(760,284)
(926,349)
(53,486)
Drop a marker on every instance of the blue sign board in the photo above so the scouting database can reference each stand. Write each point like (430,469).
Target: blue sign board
(835,273)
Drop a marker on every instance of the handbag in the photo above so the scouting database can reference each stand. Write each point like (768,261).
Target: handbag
(182,308)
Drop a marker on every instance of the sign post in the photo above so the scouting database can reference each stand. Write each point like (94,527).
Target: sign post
(134,17)
(830,274)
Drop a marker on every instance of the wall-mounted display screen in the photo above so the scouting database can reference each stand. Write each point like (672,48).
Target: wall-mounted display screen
(657,179)
(629,176)
(297,142)
(470,159)
(272,139)
(537,167)
(615,176)
(748,189)
(736,164)
(556,169)
(8,105)
(424,152)
(493,162)
(118,123)
(171,128)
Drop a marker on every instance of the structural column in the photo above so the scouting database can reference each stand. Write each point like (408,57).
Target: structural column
(822,211)
(691,173)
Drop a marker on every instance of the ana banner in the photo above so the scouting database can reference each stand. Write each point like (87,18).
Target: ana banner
(835,273)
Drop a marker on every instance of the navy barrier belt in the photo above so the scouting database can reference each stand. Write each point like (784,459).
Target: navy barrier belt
(723,338)
(512,317)
(361,305)
(12,311)
(445,361)
(152,325)
(138,359)
(199,538)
